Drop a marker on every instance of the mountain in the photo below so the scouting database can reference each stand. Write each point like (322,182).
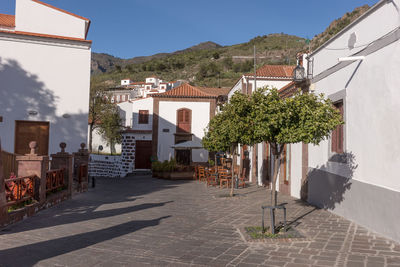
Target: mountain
(338,25)
(103,62)
(210,64)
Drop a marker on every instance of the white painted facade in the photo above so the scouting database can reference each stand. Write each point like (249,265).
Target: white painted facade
(167,120)
(363,185)
(261,82)
(37,17)
(50,76)
(129,113)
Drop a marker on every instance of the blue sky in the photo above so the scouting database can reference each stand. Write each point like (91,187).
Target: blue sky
(129,28)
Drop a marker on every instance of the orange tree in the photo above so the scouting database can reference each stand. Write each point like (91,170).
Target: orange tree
(304,117)
(229,128)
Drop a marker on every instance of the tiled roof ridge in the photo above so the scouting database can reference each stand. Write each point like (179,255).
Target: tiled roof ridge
(185,90)
(7,20)
(277,71)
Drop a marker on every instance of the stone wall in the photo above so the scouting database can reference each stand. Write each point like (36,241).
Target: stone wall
(115,166)
(105,166)
(128,153)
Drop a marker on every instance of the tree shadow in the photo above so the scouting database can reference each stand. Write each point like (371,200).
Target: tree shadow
(327,184)
(23,96)
(112,197)
(31,254)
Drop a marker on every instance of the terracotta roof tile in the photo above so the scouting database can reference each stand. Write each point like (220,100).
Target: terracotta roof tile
(276,71)
(7,20)
(187,90)
(288,90)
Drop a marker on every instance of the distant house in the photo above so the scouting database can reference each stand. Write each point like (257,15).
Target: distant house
(45,78)
(276,76)
(181,115)
(129,90)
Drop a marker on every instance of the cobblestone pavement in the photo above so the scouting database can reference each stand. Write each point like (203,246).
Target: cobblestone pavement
(145,221)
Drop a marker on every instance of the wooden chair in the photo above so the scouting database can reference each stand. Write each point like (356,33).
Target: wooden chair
(202,173)
(211,175)
(224,178)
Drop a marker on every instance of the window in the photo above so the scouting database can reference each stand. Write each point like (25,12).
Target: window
(184,121)
(123,98)
(118,98)
(337,145)
(143,116)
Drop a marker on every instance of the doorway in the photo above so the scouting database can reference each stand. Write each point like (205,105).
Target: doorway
(28,131)
(143,154)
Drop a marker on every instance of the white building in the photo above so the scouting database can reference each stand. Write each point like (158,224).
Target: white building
(180,115)
(356,175)
(45,78)
(355,172)
(266,76)
(130,90)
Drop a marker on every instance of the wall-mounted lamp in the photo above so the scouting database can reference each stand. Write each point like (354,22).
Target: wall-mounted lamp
(66,116)
(299,73)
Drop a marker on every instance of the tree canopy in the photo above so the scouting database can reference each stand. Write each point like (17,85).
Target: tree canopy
(307,118)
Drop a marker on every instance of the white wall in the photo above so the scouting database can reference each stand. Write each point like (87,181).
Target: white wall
(34,17)
(97,140)
(49,77)
(372,102)
(167,120)
(295,169)
(142,104)
(364,189)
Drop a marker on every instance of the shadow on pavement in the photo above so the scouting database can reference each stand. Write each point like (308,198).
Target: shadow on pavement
(29,255)
(115,196)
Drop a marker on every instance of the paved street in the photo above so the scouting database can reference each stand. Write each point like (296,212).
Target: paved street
(146,221)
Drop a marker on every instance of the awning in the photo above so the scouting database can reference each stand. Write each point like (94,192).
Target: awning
(188,145)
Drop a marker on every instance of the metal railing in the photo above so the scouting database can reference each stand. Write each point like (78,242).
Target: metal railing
(55,179)
(20,189)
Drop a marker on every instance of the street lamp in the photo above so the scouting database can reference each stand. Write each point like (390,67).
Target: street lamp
(299,73)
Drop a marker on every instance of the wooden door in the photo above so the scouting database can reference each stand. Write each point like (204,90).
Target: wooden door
(27,131)
(143,155)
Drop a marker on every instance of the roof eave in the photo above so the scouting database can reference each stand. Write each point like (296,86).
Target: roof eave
(356,21)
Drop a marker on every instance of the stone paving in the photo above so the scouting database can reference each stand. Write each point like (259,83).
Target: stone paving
(141,221)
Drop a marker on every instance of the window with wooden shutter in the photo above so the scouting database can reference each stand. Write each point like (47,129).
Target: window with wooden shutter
(338,134)
(143,116)
(184,121)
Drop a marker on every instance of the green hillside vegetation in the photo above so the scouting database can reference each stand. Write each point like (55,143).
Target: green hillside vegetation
(210,67)
(209,64)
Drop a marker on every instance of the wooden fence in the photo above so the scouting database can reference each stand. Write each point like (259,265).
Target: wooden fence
(9,164)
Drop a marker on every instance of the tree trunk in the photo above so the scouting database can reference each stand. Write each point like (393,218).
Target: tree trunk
(90,137)
(277,152)
(232,169)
